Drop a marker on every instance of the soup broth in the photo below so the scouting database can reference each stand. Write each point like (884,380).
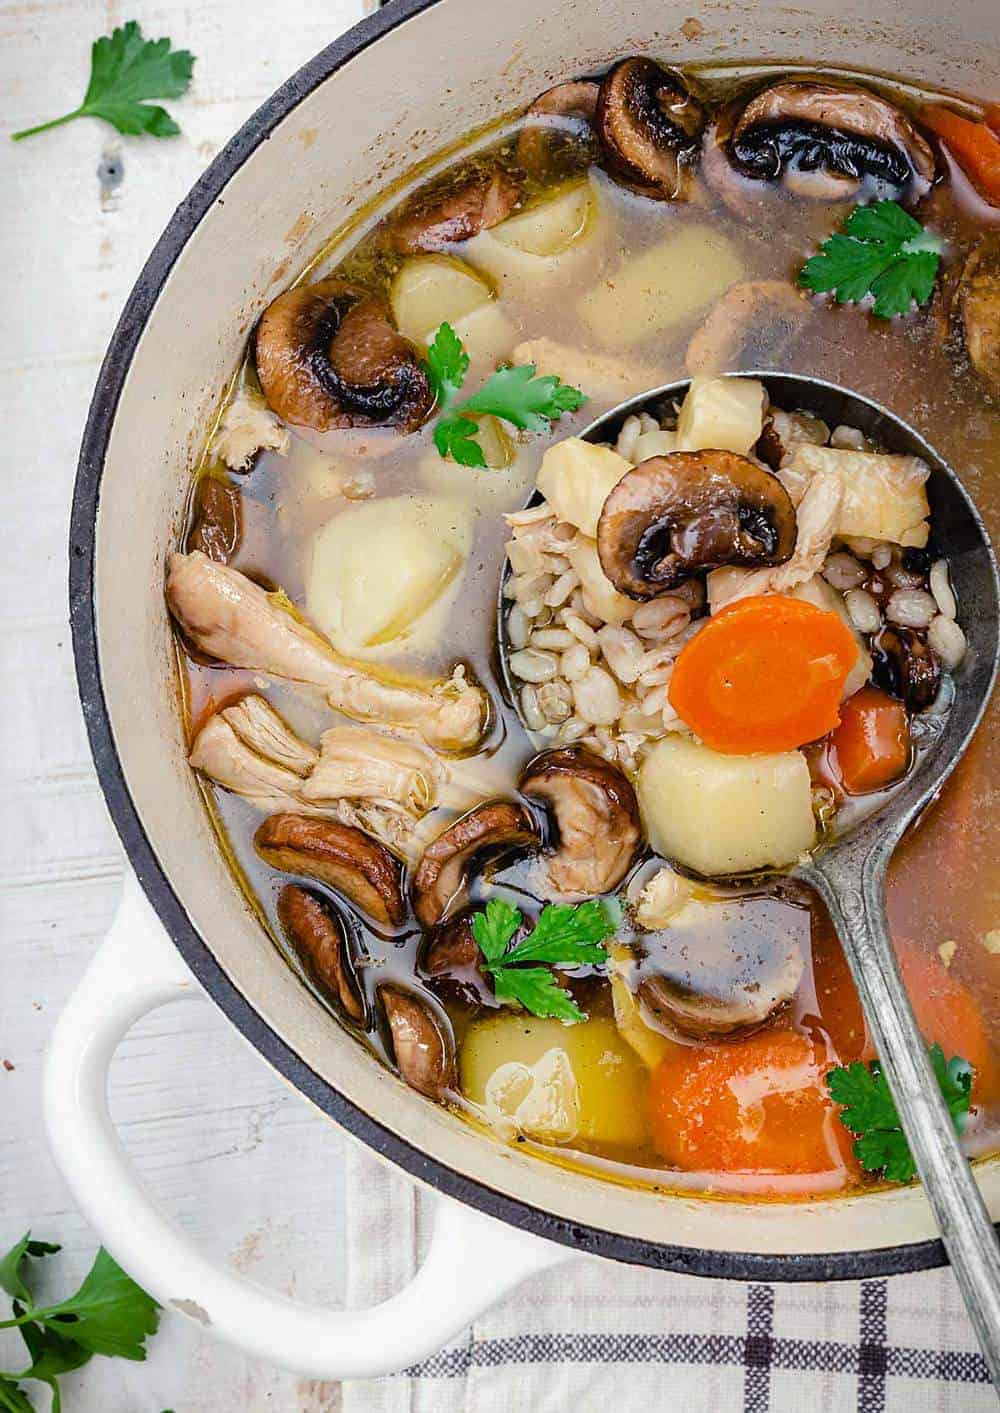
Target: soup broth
(592,280)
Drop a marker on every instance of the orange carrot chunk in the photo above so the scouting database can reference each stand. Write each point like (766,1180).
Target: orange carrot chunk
(992,116)
(871,746)
(765,674)
(974,146)
(758,1105)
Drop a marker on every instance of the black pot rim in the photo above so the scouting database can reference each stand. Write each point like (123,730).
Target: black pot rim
(748,1266)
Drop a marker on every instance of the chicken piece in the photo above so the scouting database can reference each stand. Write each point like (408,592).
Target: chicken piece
(817,517)
(752,325)
(259,726)
(221,754)
(885,497)
(358,763)
(599,376)
(234,620)
(246,427)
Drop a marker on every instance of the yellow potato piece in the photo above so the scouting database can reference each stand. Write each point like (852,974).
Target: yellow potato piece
(379,566)
(650,1045)
(664,288)
(576,479)
(724,413)
(551,226)
(600,595)
(884,496)
(610,1082)
(720,814)
(430,290)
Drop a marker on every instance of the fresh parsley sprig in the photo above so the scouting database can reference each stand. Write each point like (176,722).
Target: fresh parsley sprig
(869,1111)
(564,935)
(884,253)
(514,394)
(125,71)
(109,1314)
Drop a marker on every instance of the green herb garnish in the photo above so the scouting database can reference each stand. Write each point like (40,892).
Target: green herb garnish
(564,935)
(109,1315)
(512,394)
(885,253)
(869,1111)
(125,70)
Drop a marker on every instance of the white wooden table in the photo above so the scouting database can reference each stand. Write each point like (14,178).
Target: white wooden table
(242,1163)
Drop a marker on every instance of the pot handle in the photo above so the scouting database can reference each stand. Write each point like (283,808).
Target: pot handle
(473,1260)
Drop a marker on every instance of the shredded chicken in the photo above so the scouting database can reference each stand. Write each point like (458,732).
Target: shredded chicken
(884,497)
(231,618)
(260,727)
(247,426)
(221,754)
(818,511)
(358,763)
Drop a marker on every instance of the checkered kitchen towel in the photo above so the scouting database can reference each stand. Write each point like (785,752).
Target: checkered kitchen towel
(596,1336)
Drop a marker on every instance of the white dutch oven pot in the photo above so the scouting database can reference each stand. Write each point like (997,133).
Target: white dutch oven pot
(408,80)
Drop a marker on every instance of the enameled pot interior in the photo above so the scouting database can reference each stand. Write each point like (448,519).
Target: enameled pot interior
(288,180)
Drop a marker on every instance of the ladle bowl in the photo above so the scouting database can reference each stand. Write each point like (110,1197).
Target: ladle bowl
(848,870)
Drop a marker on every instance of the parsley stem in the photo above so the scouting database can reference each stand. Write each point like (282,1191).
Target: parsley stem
(44,127)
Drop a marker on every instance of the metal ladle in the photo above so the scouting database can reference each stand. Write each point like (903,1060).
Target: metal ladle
(849,870)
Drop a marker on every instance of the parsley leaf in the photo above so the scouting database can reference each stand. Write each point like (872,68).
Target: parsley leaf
(13,1265)
(125,70)
(564,935)
(869,1111)
(513,394)
(884,253)
(13,1399)
(51,1355)
(110,1313)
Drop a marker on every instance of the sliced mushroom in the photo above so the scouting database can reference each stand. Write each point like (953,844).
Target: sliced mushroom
(329,357)
(558,135)
(977,303)
(449,214)
(423,1049)
(723,966)
(451,963)
(906,667)
(216,519)
(440,883)
(827,139)
(344,858)
(319,938)
(676,515)
(751,325)
(597,826)
(649,126)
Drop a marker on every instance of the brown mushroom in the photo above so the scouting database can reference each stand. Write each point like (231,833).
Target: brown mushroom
(346,859)
(451,963)
(906,667)
(597,827)
(827,139)
(449,214)
(558,134)
(329,357)
(649,126)
(752,325)
(319,938)
(216,519)
(677,515)
(440,884)
(423,1048)
(977,303)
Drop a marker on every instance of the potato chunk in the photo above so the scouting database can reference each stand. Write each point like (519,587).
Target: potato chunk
(724,413)
(663,288)
(551,226)
(555,1081)
(721,814)
(430,289)
(556,239)
(884,496)
(379,566)
(599,594)
(576,478)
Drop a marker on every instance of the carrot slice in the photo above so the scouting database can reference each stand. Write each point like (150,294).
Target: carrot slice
(765,674)
(992,116)
(974,146)
(758,1105)
(871,746)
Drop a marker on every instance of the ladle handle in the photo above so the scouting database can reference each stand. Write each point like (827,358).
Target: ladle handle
(966,1229)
